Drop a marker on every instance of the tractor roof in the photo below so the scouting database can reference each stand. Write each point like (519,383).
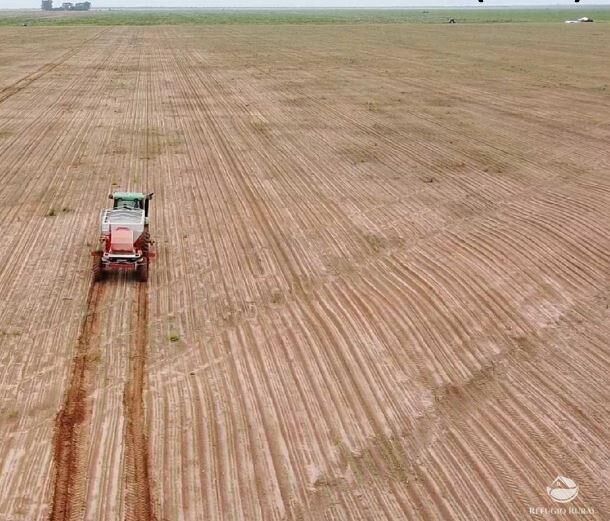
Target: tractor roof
(128,196)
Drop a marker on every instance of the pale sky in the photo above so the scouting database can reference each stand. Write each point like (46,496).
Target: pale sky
(34,4)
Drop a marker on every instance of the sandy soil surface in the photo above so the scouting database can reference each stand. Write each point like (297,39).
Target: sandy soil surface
(381,288)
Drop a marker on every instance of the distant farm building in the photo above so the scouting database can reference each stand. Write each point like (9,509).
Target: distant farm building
(47,5)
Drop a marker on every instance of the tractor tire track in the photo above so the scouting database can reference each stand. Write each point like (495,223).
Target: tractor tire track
(139,506)
(71,442)
(71,421)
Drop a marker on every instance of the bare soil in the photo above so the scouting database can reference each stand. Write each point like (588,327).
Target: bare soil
(381,288)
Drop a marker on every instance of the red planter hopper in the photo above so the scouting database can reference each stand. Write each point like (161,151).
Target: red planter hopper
(121,240)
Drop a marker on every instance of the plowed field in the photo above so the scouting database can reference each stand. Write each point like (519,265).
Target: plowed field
(382,278)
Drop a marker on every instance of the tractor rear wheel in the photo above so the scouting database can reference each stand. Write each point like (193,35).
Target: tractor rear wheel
(142,271)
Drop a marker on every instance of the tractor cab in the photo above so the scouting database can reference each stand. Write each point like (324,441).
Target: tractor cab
(131,201)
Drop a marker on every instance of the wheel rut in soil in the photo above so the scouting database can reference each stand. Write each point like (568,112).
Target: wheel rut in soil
(71,424)
(137,476)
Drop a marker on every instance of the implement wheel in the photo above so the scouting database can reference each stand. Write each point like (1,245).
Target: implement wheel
(145,242)
(142,271)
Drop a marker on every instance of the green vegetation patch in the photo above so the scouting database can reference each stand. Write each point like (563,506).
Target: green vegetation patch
(322,16)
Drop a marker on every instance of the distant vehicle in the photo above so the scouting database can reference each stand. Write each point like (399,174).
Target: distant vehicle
(584,19)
